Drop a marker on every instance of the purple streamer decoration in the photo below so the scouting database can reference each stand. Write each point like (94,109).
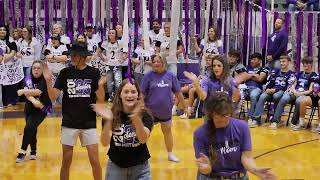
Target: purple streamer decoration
(318,35)
(70,20)
(90,7)
(287,19)
(13,17)
(80,18)
(114,13)
(225,31)
(46,19)
(186,25)
(136,22)
(55,5)
(34,15)
(299,40)
(198,14)
(250,35)
(275,15)
(151,13)
(2,13)
(22,11)
(211,15)
(310,34)
(160,9)
(264,25)
(245,32)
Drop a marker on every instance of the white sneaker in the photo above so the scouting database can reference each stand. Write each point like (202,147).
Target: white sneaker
(174,110)
(316,130)
(184,116)
(33,157)
(253,124)
(172,157)
(273,125)
(298,127)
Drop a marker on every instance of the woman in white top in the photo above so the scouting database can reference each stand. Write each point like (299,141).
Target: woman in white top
(111,51)
(142,60)
(212,46)
(29,48)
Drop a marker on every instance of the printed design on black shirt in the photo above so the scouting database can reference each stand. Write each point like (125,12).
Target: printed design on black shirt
(79,87)
(125,136)
(3,46)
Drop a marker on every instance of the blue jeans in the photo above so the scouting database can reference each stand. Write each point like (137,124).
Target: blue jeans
(285,99)
(260,104)
(296,113)
(114,78)
(253,93)
(173,68)
(138,172)
(293,7)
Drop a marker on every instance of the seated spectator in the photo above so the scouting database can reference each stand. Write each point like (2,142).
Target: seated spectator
(257,76)
(276,84)
(237,70)
(302,87)
(301,5)
(313,100)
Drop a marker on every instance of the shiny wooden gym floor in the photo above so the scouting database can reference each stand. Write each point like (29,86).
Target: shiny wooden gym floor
(291,155)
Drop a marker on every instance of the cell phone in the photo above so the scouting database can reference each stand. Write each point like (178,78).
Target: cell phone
(1,52)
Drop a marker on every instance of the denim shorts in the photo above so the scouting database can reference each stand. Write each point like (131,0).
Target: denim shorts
(138,172)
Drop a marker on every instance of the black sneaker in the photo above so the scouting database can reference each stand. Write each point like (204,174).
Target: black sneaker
(20,158)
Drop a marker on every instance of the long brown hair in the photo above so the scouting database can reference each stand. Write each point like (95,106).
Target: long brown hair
(215,38)
(225,77)
(29,38)
(117,107)
(219,103)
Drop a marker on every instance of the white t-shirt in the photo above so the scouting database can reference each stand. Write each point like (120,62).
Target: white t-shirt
(30,52)
(211,47)
(113,51)
(93,43)
(143,55)
(56,67)
(156,37)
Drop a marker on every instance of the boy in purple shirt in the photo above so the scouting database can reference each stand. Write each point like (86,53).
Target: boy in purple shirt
(223,145)
(157,87)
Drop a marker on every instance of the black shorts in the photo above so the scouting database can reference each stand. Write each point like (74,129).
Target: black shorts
(158,120)
(315,100)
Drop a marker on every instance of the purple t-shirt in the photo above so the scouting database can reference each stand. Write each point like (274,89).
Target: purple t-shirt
(231,141)
(211,86)
(157,89)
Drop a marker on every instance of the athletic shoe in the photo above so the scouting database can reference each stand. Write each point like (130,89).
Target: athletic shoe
(316,130)
(33,156)
(298,127)
(184,116)
(253,123)
(273,125)
(20,158)
(174,110)
(172,157)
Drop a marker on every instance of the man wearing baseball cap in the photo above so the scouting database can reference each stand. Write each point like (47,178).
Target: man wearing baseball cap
(81,86)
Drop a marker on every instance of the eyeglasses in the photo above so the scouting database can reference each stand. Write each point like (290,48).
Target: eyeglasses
(226,115)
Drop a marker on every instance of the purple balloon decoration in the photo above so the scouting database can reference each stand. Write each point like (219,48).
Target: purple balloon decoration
(160,9)
(70,19)
(114,5)
(90,8)
(186,25)
(34,15)
(264,24)
(310,34)
(12,14)
(46,20)
(2,13)
(151,13)
(299,39)
(22,12)
(80,18)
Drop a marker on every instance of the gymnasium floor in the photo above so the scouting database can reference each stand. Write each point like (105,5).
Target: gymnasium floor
(291,155)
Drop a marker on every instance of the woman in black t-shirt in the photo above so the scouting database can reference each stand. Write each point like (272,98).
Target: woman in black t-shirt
(37,106)
(127,130)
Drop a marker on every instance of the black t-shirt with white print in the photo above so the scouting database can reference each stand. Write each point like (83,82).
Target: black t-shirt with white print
(79,87)
(125,148)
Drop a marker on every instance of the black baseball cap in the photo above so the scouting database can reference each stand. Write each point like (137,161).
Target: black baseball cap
(79,49)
